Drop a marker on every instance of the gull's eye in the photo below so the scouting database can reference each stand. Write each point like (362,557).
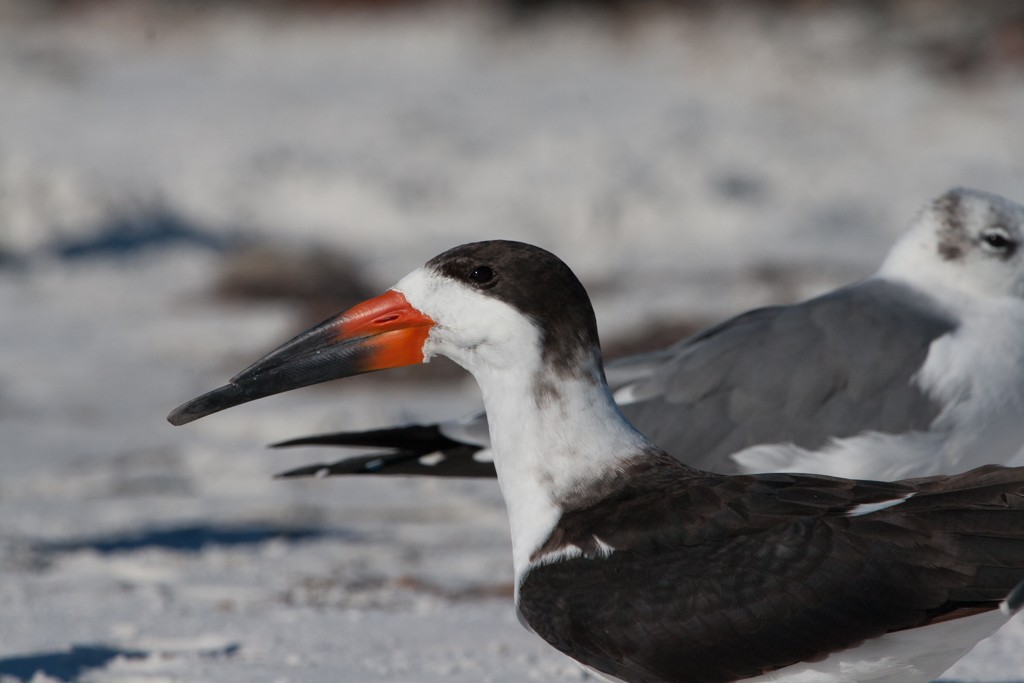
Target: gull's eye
(998,240)
(481,275)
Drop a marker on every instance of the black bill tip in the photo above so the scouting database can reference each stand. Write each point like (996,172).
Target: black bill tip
(310,358)
(211,402)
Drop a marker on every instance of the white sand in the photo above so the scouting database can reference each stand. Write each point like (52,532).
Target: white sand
(666,163)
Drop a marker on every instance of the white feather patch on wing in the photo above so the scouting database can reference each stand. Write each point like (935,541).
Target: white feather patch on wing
(868,508)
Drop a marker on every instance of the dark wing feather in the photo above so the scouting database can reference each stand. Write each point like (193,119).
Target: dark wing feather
(410,444)
(712,578)
(416,437)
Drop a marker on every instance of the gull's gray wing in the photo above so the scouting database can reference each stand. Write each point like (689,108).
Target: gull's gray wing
(830,367)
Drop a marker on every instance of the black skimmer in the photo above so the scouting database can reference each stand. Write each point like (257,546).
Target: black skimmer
(642,568)
(915,371)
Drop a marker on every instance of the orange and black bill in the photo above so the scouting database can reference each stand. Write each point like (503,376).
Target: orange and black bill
(384,332)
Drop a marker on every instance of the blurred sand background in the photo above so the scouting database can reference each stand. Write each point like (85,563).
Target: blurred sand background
(185,184)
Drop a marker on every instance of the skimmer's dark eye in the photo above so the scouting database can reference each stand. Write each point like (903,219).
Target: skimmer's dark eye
(998,239)
(481,275)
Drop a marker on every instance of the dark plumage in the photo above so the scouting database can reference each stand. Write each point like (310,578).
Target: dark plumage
(715,579)
(411,443)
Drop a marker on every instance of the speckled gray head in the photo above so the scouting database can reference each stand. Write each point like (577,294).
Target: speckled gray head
(971,219)
(966,240)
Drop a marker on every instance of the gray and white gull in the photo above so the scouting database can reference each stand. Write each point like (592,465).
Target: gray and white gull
(914,371)
(647,570)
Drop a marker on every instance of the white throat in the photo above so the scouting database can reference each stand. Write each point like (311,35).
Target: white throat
(549,452)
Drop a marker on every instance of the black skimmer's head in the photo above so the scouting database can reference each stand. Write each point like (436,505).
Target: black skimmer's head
(649,571)
(489,306)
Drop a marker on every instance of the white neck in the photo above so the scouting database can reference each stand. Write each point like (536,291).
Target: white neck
(549,447)
(913,262)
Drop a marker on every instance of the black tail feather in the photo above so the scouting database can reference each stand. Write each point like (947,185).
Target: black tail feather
(420,438)
(452,462)
(416,450)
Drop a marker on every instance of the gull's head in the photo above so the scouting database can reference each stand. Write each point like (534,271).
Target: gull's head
(965,240)
(495,306)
